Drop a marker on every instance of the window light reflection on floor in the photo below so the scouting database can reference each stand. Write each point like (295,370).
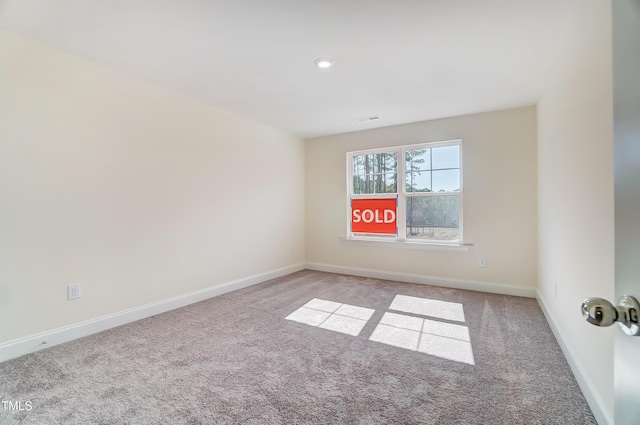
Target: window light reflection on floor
(427,307)
(446,340)
(337,317)
(442,339)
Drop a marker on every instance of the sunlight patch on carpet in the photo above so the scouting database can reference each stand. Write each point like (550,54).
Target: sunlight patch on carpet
(333,316)
(446,340)
(427,307)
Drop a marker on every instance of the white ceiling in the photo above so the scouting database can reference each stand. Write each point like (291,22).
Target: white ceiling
(404,60)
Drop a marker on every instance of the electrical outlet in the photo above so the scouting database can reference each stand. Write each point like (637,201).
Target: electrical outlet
(482,262)
(73,291)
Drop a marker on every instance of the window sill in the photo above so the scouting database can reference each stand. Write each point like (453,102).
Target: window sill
(406,244)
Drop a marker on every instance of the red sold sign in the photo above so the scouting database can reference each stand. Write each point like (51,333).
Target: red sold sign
(374,216)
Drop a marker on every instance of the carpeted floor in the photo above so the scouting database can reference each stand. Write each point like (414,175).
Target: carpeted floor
(236,359)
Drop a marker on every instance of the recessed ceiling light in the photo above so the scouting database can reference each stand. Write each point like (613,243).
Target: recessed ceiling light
(324,63)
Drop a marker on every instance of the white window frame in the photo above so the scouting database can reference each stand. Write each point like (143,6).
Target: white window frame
(401,194)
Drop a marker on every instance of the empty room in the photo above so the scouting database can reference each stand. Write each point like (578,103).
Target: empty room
(307,212)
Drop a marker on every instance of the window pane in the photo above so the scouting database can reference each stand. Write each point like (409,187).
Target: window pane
(446,157)
(374,183)
(375,173)
(390,183)
(358,185)
(419,181)
(418,159)
(446,181)
(433,217)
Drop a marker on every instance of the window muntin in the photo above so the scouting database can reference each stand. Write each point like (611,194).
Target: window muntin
(429,201)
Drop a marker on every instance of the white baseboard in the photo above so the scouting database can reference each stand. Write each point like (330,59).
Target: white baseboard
(19,347)
(472,285)
(599,409)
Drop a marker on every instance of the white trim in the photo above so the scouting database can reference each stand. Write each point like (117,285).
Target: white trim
(19,347)
(600,412)
(471,285)
(435,143)
(396,243)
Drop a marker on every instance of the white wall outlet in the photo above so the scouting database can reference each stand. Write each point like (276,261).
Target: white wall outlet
(482,262)
(73,291)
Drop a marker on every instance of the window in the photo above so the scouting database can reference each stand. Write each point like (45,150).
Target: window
(426,182)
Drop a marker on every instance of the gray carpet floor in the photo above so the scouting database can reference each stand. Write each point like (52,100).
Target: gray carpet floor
(236,359)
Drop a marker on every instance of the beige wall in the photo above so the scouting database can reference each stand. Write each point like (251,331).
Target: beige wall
(575,182)
(499,160)
(137,193)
